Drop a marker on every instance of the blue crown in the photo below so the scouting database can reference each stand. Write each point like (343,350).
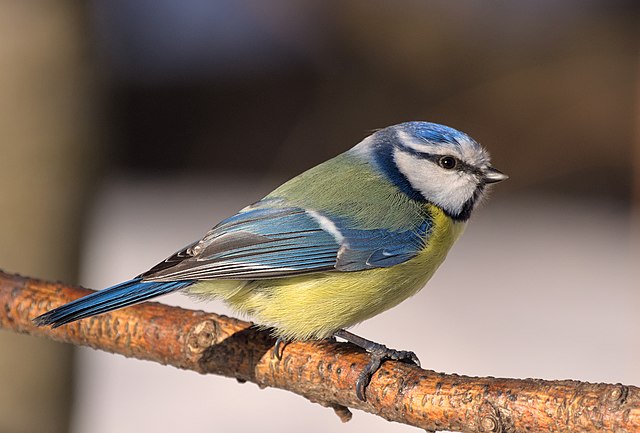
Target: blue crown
(437,133)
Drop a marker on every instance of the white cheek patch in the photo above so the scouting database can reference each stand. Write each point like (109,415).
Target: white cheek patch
(449,189)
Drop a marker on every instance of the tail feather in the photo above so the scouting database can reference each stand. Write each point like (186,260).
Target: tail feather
(118,296)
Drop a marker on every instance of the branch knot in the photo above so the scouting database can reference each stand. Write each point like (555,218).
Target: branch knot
(202,336)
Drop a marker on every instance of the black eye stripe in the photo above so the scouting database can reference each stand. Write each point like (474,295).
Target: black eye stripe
(435,158)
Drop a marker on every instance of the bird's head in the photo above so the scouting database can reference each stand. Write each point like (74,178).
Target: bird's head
(434,163)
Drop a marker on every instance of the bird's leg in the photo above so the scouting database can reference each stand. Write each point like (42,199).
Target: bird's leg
(379,353)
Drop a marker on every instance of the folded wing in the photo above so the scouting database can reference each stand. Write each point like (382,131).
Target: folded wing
(271,241)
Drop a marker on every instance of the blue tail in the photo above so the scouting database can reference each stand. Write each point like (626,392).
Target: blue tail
(118,296)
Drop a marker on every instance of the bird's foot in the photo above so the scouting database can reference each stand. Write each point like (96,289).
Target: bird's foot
(378,354)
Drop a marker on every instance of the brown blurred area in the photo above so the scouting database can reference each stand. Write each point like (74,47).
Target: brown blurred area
(525,79)
(46,121)
(93,90)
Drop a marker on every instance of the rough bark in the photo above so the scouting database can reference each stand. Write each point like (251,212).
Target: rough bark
(325,372)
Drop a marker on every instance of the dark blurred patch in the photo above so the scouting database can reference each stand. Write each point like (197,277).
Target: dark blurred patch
(547,86)
(235,125)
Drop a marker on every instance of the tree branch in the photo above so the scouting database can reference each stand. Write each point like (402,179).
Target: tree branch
(325,372)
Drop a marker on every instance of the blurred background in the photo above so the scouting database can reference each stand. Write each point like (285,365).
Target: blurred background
(129,128)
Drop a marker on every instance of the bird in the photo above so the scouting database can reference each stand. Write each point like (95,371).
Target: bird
(334,246)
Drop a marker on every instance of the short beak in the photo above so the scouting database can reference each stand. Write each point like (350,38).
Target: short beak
(491,175)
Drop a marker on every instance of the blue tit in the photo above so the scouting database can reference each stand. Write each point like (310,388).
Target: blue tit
(336,245)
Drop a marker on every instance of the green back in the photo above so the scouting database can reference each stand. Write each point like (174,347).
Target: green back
(350,186)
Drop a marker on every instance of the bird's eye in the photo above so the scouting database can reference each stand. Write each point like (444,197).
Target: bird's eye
(448,162)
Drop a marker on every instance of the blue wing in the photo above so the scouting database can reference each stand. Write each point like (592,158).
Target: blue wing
(264,241)
(267,241)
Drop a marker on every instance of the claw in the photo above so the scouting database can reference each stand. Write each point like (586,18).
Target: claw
(281,343)
(278,348)
(365,376)
(378,353)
